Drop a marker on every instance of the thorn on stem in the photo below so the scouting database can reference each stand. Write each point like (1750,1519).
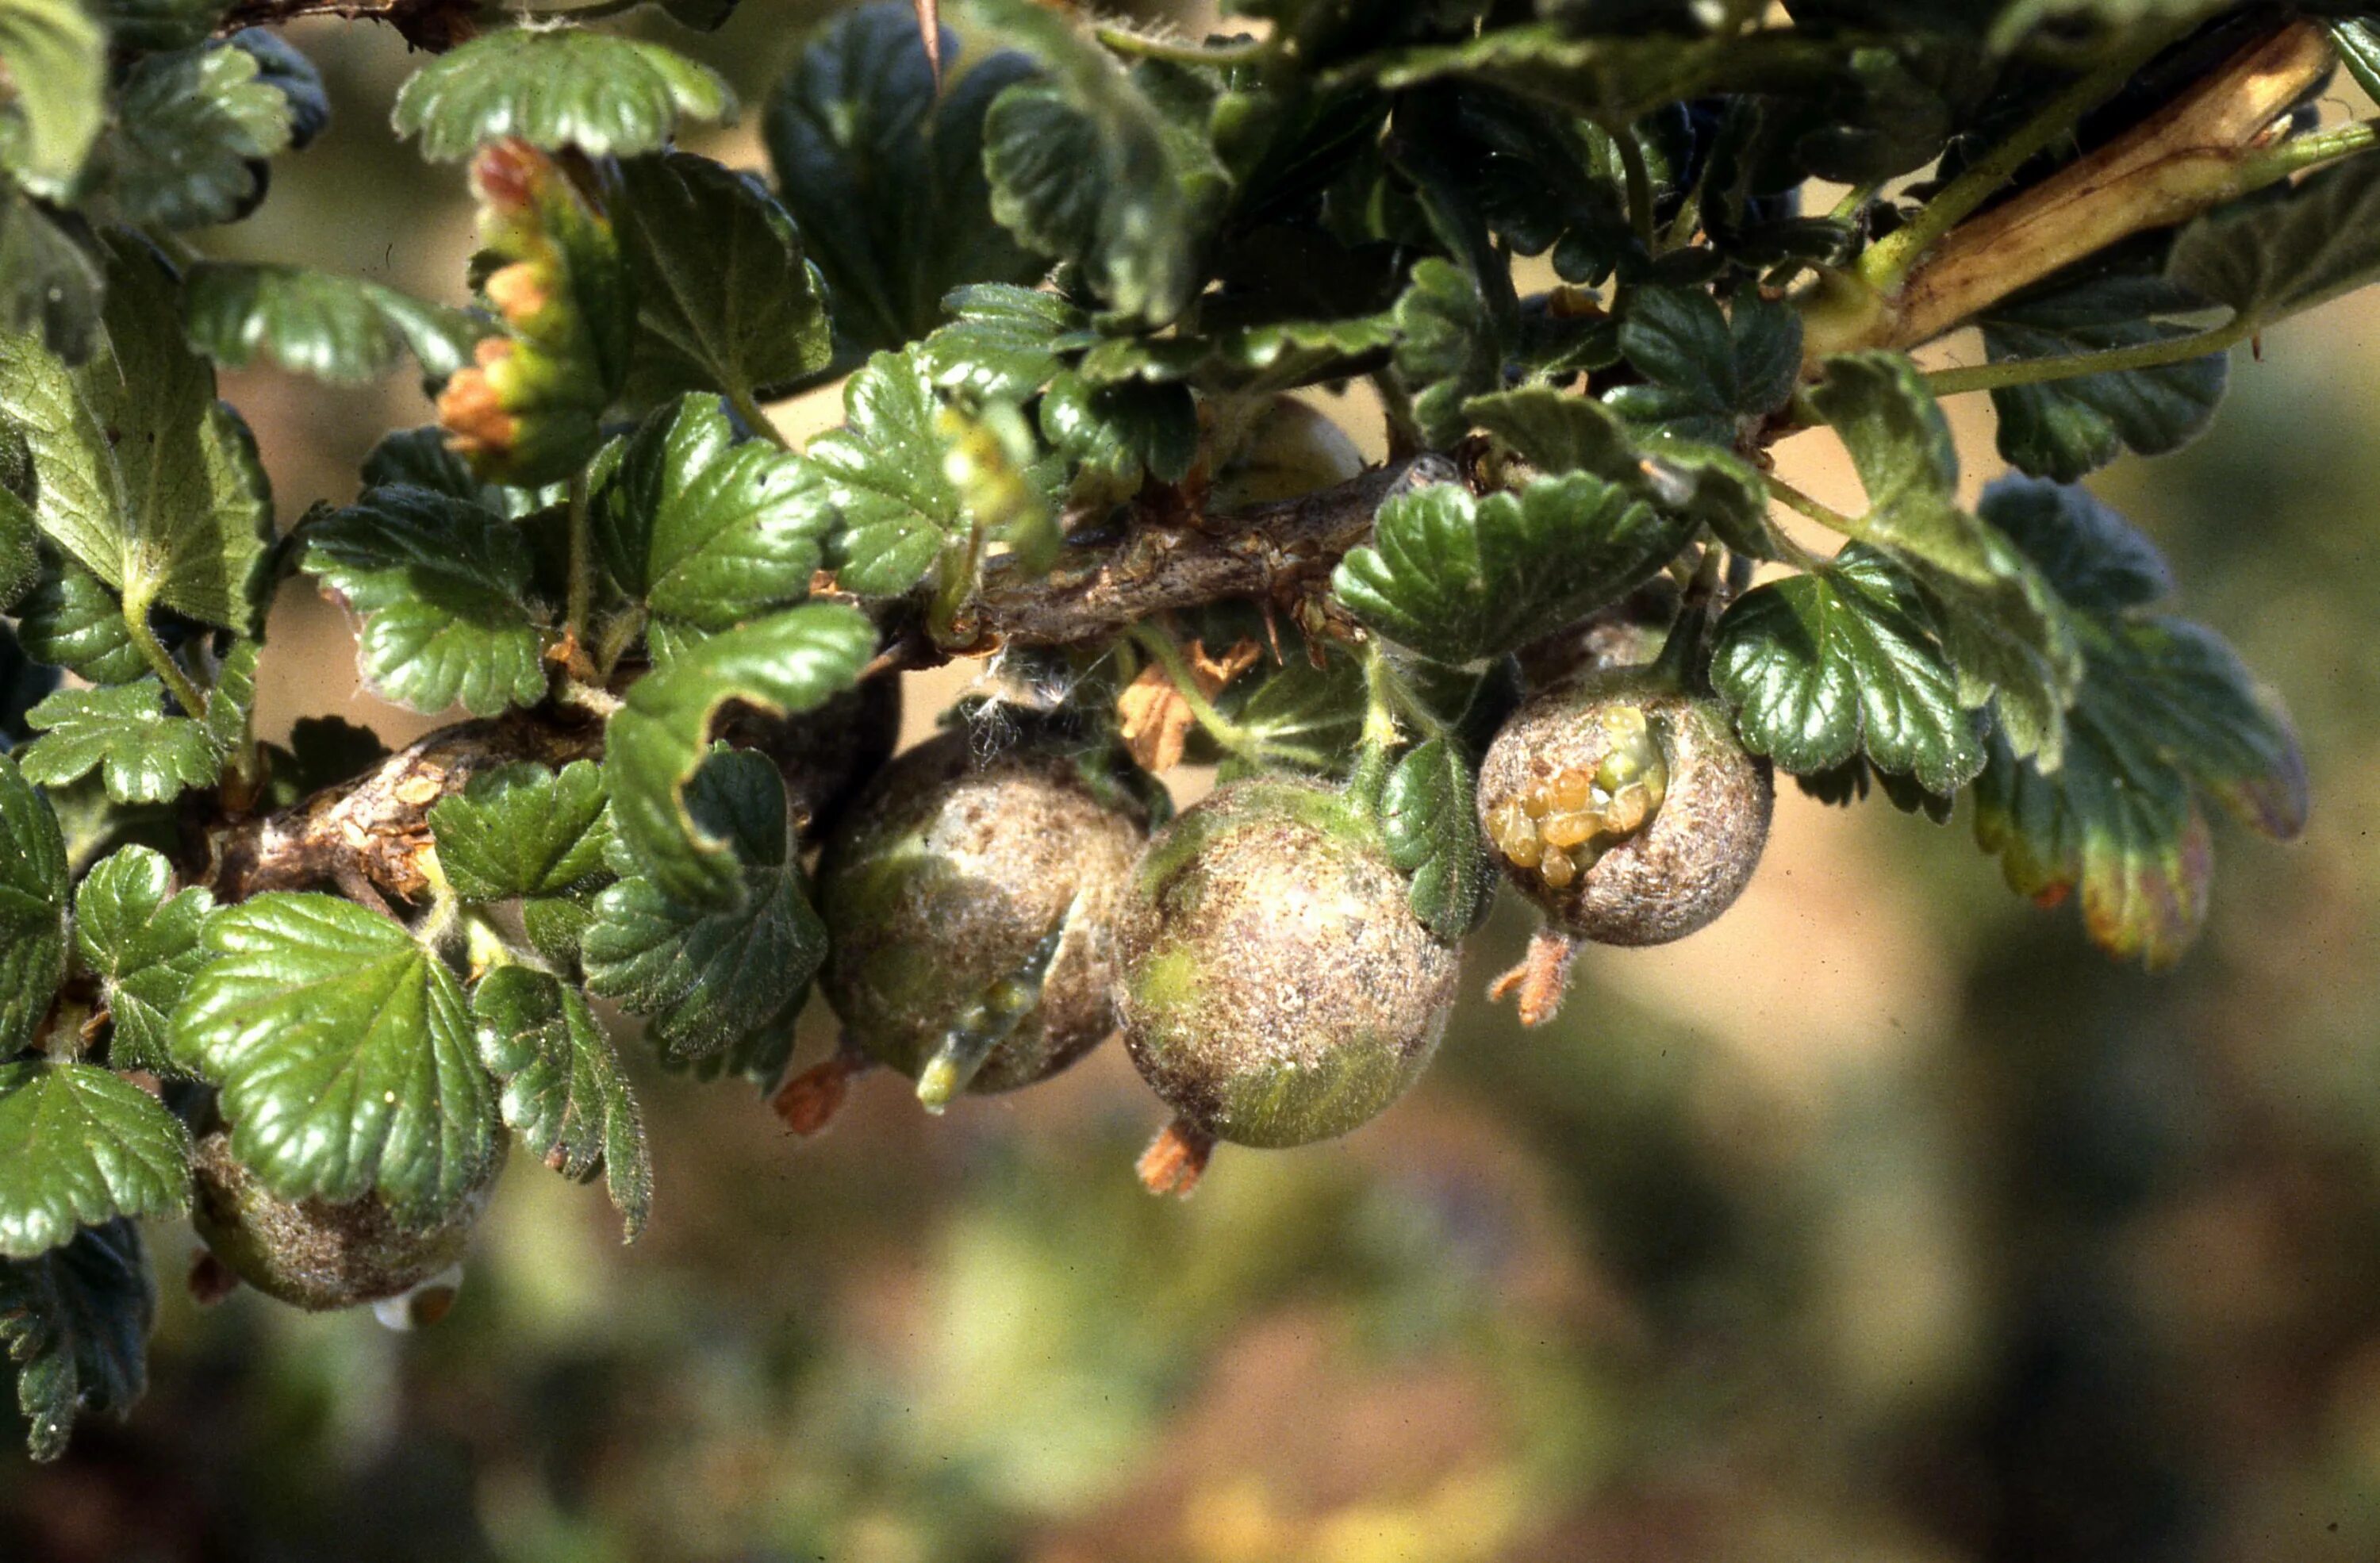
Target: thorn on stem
(1176,1160)
(1541,978)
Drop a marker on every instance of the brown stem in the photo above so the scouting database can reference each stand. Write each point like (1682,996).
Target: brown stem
(1541,979)
(1176,1160)
(2184,159)
(1268,551)
(371,830)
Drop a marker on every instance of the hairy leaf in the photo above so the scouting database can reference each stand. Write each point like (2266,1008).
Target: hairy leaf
(607,96)
(529,409)
(707,531)
(32,909)
(143,755)
(137,471)
(342,330)
(887,479)
(2008,636)
(522,830)
(2278,256)
(1446,351)
(1430,820)
(1004,342)
(884,173)
(2064,429)
(50,284)
(73,621)
(344,1053)
(710,975)
(56,59)
(1823,667)
(2166,718)
(283,66)
(725,301)
(75,1322)
(787,664)
(139,936)
(1462,581)
(1086,168)
(1707,373)
(442,585)
(81,1146)
(564,1091)
(190,126)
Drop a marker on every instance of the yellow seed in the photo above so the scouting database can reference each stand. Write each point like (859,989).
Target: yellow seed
(1571,790)
(1538,801)
(1624,724)
(1509,823)
(1569,829)
(1523,852)
(1557,870)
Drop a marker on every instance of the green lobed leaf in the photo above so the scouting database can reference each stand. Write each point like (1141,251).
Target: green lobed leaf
(1429,822)
(1299,715)
(887,479)
(341,330)
(1708,374)
(725,301)
(2007,635)
(1558,431)
(523,830)
(50,284)
(140,938)
(33,878)
(1004,342)
(442,587)
(709,976)
(883,173)
(529,409)
(563,1092)
(137,470)
(344,1056)
(709,531)
(2290,249)
(122,731)
(1086,168)
(1117,435)
(1447,351)
(1822,667)
(1462,581)
(73,621)
(2167,718)
(786,664)
(556,88)
(56,60)
(81,1146)
(75,1322)
(21,550)
(421,458)
(2064,429)
(189,128)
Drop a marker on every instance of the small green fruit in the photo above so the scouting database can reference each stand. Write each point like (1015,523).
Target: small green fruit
(1624,807)
(315,1254)
(1276,989)
(1290,449)
(968,909)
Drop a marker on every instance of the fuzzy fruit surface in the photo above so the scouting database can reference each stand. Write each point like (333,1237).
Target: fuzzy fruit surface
(944,879)
(1276,986)
(315,1254)
(1624,807)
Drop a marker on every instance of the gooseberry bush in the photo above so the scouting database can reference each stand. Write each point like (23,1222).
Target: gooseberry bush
(1589,260)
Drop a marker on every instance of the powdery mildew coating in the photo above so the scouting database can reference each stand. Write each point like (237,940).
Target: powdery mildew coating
(311,1252)
(941,881)
(1667,878)
(1276,987)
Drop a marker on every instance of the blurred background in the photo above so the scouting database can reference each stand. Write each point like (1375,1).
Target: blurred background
(1884,1220)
